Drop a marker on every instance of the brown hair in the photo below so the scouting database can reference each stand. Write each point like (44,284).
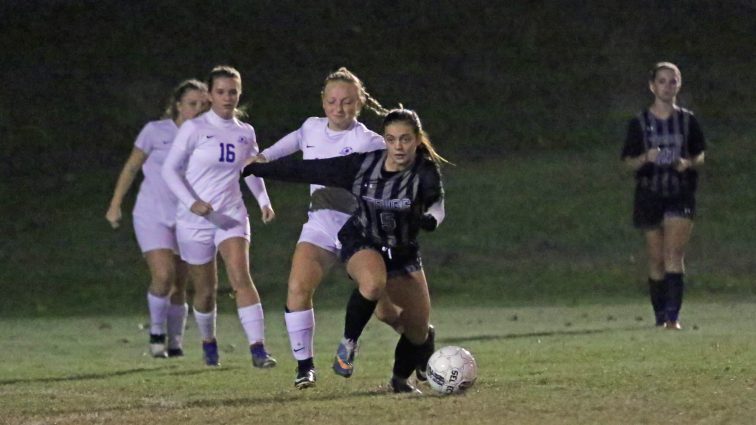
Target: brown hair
(410,117)
(178,94)
(664,65)
(345,75)
(226,71)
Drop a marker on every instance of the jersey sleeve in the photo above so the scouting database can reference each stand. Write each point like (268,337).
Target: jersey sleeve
(256,185)
(143,140)
(173,167)
(431,187)
(286,146)
(338,171)
(634,145)
(696,140)
(376,143)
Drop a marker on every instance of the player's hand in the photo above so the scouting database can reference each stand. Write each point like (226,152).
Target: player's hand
(259,158)
(267,214)
(652,154)
(201,208)
(114,216)
(682,164)
(428,222)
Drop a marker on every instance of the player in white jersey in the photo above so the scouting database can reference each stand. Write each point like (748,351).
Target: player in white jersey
(337,134)
(203,170)
(155,218)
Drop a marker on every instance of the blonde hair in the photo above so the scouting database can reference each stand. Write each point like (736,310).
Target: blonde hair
(410,117)
(344,75)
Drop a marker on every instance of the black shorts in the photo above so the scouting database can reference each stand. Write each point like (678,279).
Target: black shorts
(649,209)
(399,261)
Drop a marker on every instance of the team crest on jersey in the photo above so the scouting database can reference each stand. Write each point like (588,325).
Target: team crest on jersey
(243,140)
(346,151)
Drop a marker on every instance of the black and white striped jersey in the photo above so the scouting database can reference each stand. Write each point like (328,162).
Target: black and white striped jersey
(391,204)
(678,136)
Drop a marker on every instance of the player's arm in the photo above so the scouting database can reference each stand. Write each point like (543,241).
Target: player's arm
(123,184)
(634,153)
(286,146)
(337,171)
(256,185)
(173,170)
(432,192)
(696,148)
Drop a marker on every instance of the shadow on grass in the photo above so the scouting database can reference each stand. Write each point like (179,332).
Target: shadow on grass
(91,376)
(456,340)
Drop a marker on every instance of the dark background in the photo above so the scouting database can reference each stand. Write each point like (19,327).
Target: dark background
(492,81)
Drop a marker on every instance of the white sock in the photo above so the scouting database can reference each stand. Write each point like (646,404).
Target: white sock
(253,322)
(176,324)
(301,328)
(158,307)
(206,323)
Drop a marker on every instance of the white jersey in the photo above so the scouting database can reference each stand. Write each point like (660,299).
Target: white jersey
(155,199)
(317,141)
(214,151)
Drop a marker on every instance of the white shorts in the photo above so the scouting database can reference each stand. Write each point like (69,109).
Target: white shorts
(199,246)
(322,229)
(151,234)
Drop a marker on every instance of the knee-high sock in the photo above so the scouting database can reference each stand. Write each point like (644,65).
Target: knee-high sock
(425,350)
(206,323)
(301,327)
(158,307)
(657,290)
(358,312)
(675,289)
(404,358)
(176,324)
(253,322)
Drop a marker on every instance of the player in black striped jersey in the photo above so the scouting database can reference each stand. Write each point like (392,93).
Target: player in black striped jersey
(399,192)
(665,146)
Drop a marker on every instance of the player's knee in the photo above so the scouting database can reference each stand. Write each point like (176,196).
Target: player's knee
(372,290)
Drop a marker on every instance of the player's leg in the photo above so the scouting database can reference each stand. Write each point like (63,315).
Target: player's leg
(199,252)
(178,309)
(416,344)
(677,231)
(657,287)
(235,254)
(309,265)
(162,273)
(366,267)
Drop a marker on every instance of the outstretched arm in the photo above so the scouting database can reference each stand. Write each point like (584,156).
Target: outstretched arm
(337,172)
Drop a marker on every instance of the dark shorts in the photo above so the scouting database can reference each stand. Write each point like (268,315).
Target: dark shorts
(399,261)
(649,210)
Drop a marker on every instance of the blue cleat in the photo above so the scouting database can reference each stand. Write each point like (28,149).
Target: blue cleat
(210,353)
(343,363)
(260,358)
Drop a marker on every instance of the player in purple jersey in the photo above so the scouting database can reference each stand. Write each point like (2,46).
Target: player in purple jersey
(665,147)
(338,134)
(155,218)
(202,169)
(399,192)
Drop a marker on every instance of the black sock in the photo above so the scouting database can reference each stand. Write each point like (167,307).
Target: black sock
(306,364)
(358,312)
(425,350)
(675,288)
(657,289)
(404,358)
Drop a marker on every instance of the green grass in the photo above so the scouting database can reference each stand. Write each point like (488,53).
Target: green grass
(570,365)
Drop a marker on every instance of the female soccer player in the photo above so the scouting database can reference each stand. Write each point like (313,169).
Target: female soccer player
(665,146)
(399,191)
(202,169)
(338,134)
(155,218)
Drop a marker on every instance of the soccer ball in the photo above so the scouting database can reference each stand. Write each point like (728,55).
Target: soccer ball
(451,370)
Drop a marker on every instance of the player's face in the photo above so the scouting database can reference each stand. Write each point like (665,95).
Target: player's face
(191,104)
(224,97)
(666,85)
(341,104)
(401,143)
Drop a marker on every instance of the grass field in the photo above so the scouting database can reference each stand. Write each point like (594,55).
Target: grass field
(571,365)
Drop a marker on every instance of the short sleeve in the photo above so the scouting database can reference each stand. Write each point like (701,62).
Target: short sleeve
(634,145)
(696,140)
(143,140)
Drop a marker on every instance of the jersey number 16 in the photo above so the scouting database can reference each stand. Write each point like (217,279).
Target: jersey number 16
(227,153)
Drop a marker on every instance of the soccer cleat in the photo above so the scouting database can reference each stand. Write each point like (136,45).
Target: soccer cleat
(305,378)
(672,325)
(343,362)
(401,386)
(423,363)
(175,352)
(157,346)
(210,353)
(260,358)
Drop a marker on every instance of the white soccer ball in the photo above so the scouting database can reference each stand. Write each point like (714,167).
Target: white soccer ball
(451,369)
